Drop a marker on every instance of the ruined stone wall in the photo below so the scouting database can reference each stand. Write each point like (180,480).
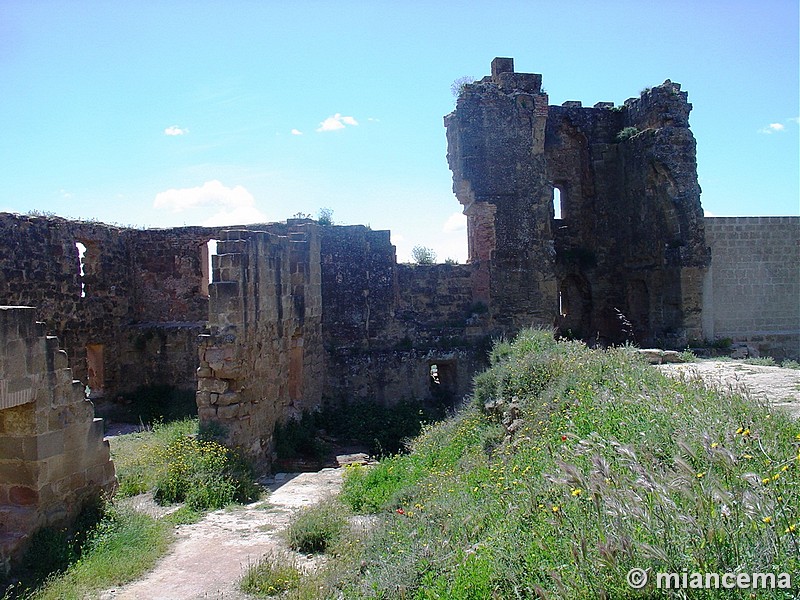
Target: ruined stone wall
(263,361)
(385,324)
(53,457)
(132,318)
(496,140)
(752,289)
(629,243)
(625,258)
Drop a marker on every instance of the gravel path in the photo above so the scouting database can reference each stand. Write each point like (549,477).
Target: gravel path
(779,386)
(209,557)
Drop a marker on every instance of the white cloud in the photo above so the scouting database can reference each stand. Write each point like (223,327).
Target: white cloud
(772,128)
(211,193)
(175,130)
(707,213)
(296,132)
(455,222)
(336,122)
(240,215)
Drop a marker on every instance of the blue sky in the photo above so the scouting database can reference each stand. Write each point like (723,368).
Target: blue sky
(164,113)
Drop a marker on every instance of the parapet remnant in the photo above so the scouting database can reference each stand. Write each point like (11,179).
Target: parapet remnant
(588,219)
(54,458)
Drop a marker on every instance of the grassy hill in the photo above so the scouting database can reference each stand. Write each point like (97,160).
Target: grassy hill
(571,467)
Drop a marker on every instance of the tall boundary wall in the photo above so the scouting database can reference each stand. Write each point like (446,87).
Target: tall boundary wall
(752,288)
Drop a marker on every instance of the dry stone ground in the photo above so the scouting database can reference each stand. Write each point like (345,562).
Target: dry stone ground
(776,385)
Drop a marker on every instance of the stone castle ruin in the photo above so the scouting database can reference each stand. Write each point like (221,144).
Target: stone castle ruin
(583,219)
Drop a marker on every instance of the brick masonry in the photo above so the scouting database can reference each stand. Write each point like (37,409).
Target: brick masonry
(752,289)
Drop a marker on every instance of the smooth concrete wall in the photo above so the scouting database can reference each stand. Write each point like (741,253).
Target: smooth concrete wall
(752,289)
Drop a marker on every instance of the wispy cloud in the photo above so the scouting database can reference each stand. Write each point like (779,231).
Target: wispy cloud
(336,122)
(175,130)
(455,222)
(296,132)
(772,128)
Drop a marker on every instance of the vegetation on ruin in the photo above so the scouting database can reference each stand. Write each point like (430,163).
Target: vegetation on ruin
(570,467)
(109,546)
(627,133)
(422,255)
(177,464)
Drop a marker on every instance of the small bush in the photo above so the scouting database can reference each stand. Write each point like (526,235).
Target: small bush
(315,528)
(178,466)
(627,134)
(764,361)
(422,255)
(272,575)
(790,364)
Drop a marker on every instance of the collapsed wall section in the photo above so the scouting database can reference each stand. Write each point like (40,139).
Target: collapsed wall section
(53,458)
(263,360)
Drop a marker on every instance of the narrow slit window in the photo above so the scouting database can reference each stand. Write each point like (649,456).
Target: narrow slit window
(207,253)
(557,203)
(81,264)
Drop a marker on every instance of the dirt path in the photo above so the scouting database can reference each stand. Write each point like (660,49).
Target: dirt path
(209,557)
(779,386)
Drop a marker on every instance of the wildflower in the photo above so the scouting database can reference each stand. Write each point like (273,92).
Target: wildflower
(740,430)
(555,508)
(746,432)
(767,520)
(765,480)
(400,511)
(701,475)
(791,529)
(563,438)
(725,511)
(577,492)
(714,444)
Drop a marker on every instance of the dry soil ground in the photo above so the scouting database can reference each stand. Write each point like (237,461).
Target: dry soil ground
(209,557)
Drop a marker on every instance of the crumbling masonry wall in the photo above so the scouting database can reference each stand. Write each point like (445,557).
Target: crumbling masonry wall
(262,361)
(625,259)
(53,457)
(128,312)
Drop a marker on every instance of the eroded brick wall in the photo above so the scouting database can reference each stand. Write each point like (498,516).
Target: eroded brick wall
(53,457)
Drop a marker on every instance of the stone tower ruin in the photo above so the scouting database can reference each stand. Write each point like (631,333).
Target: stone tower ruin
(624,257)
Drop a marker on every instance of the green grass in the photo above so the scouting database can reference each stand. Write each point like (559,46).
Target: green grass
(571,467)
(177,465)
(121,547)
(272,575)
(317,527)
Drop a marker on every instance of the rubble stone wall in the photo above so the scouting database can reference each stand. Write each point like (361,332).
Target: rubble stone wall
(625,258)
(753,285)
(263,360)
(53,457)
(138,299)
